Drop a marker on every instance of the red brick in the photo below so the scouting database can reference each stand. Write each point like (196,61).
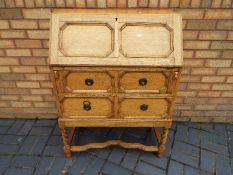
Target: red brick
(225,71)
(191,13)
(40,52)
(80,3)
(19,3)
(212,35)
(198,86)
(195,100)
(44,24)
(20,104)
(24,24)
(8,61)
(132,3)
(219,14)
(38,34)
(219,101)
(209,93)
(121,3)
(190,35)
(230,79)
(29,3)
(188,53)
(4,104)
(27,84)
(10,13)
(196,44)
(190,78)
(9,97)
(225,25)
(111,4)
(218,63)
(164,4)
(70,3)
(4,24)
(13,34)
(203,71)
(153,3)
(216,4)
(222,45)
(24,69)
(33,61)
(9,91)
(43,69)
(194,62)
(32,98)
(226,3)
(36,13)
(7,84)
(41,91)
(185,3)
(213,79)
(207,54)
(11,76)
(230,36)
(222,87)
(227,94)
(143,3)
(44,104)
(60,3)
(36,77)
(40,110)
(91,3)
(186,93)
(206,3)
(10,3)
(101,4)
(175,3)
(201,24)
(18,52)
(4,68)
(28,43)
(205,107)
(6,44)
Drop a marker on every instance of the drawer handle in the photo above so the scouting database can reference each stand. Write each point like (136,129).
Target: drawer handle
(87,105)
(89,82)
(142,81)
(143,107)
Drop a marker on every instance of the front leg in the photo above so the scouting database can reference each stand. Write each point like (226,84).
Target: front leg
(65,140)
(162,142)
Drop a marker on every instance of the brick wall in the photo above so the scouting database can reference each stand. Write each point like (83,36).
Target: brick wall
(206,91)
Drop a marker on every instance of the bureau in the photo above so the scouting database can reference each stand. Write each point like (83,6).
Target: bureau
(115,68)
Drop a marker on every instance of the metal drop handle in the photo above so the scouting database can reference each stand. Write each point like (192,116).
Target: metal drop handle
(87,105)
(143,107)
(142,81)
(89,82)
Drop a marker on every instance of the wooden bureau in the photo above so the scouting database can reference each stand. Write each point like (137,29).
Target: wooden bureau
(115,68)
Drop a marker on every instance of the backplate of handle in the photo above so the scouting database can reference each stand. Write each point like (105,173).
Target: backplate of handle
(142,81)
(143,107)
(89,82)
(87,105)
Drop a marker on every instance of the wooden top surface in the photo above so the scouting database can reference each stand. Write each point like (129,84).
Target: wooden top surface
(114,11)
(155,38)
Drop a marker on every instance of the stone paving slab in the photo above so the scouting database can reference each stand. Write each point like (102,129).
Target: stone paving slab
(34,147)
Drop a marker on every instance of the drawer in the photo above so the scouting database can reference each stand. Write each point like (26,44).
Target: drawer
(87,107)
(143,107)
(87,81)
(156,82)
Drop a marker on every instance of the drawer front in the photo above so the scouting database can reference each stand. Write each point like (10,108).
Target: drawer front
(88,81)
(143,107)
(144,81)
(87,107)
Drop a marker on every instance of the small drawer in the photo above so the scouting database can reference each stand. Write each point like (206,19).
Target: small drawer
(155,82)
(87,107)
(77,82)
(143,108)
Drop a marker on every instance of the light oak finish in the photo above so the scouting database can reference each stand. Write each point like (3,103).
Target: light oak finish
(115,68)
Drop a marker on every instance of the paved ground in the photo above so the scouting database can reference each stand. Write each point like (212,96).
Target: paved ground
(35,147)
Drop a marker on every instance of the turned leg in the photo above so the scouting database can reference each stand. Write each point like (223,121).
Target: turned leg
(65,141)
(162,142)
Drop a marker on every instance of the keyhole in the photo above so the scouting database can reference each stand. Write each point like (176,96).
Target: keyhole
(116,19)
